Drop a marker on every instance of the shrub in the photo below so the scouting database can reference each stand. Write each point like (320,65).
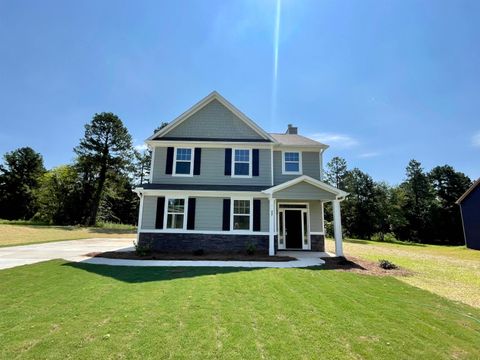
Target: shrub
(142,249)
(198,252)
(329,229)
(387,237)
(251,248)
(387,265)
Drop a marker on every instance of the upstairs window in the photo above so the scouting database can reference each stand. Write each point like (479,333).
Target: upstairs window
(175,214)
(183,162)
(242,162)
(241,217)
(292,162)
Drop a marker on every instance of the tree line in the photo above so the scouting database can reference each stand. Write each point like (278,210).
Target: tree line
(97,187)
(421,209)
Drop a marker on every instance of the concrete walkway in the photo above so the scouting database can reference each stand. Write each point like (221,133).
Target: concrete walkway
(75,250)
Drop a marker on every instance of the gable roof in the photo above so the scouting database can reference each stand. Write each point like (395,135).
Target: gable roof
(296,140)
(202,103)
(470,189)
(304,178)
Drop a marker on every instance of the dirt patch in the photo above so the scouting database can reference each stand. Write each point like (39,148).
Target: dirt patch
(131,255)
(353,264)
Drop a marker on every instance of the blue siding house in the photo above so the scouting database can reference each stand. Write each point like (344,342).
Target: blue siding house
(470,210)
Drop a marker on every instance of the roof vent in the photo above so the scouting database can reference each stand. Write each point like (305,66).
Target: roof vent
(292,129)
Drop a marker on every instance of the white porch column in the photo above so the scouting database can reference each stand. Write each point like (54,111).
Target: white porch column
(140,216)
(337,228)
(271,226)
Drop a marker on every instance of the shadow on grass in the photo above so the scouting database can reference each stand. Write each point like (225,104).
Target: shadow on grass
(111,231)
(140,274)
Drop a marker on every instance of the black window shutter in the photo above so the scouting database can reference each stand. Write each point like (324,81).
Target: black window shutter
(169,162)
(256,214)
(228,162)
(226,215)
(160,212)
(255,162)
(197,161)
(191,214)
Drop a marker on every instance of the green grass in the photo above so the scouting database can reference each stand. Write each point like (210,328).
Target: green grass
(23,234)
(60,310)
(449,271)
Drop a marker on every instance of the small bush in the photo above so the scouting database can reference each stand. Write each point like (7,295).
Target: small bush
(251,248)
(329,229)
(383,237)
(142,249)
(387,265)
(198,252)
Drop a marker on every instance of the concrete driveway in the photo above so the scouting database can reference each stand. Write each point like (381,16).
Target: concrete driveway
(72,250)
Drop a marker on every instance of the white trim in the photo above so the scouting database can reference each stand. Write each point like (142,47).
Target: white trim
(321,163)
(152,160)
(185,212)
(202,103)
(463,226)
(305,209)
(200,193)
(300,168)
(192,158)
(209,144)
(250,215)
(339,193)
(209,232)
(271,165)
(317,233)
(250,161)
(140,217)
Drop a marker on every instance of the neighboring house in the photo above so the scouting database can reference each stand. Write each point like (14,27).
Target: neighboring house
(470,210)
(219,182)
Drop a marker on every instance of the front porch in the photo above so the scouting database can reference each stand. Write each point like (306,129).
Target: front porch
(296,215)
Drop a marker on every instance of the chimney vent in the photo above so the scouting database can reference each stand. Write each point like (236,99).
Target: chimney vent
(292,129)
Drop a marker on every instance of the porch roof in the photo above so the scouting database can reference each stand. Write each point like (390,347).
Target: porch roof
(305,188)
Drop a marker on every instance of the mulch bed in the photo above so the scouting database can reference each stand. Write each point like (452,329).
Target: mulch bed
(361,266)
(131,255)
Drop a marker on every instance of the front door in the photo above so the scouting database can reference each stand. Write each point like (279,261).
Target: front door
(293,229)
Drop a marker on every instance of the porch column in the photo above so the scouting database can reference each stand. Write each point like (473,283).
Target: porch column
(337,228)
(271,227)
(140,216)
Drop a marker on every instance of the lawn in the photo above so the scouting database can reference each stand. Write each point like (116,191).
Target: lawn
(449,271)
(61,310)
(31,234)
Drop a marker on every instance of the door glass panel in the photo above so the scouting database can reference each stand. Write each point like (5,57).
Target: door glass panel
(280,228)
(305,229)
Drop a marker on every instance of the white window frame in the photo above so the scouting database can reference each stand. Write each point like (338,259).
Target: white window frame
(250,227)
(249,163)
(185,212)
(192,158)
(300,170)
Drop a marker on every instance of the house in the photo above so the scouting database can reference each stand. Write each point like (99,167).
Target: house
(220,183)
(470,210)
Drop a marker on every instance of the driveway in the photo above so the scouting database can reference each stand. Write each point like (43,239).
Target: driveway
(72,250)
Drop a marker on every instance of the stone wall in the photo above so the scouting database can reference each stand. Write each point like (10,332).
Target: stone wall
(317,242)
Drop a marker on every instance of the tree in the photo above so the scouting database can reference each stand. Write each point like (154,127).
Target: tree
(448,186)
(119,203)
(142,165)
(419,198)
(19,180)
(336,172)
(59,196)
(106,147)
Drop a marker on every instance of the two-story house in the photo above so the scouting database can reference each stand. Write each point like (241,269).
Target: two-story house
(219,182)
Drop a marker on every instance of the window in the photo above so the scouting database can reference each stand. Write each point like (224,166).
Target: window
(183,161)
(175,214)
(242,165)
(241,219)
(292,163)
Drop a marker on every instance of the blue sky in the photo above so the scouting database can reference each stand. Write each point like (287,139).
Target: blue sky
(380,81)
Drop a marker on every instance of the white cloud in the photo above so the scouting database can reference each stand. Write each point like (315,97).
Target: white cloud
(141,147)
(368,154)
(476,139)
(336,140)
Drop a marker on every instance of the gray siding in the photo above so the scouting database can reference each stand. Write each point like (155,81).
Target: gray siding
(211,170)
(310,166)
(209,214)
(214,121)
(149,212)
(304,191)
